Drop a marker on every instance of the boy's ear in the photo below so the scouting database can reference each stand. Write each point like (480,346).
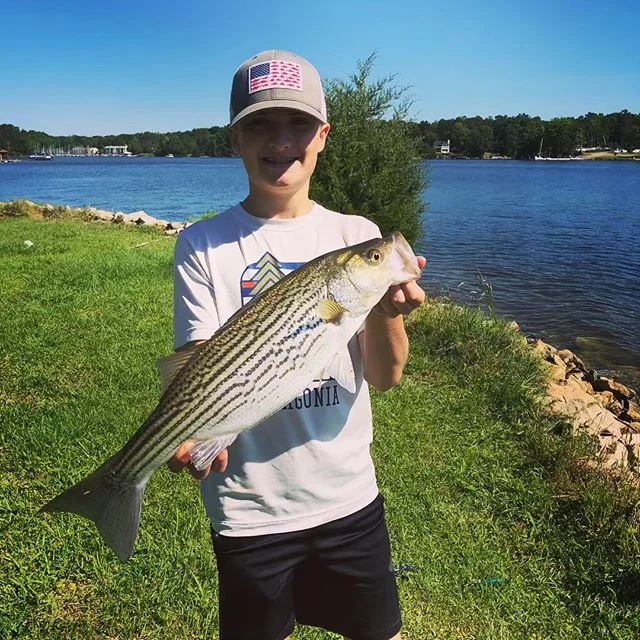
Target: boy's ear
(323,133)
(235,145)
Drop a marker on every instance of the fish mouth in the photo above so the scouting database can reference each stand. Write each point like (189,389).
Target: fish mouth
(407,261)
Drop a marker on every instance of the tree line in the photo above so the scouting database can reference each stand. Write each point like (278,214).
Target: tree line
(524,136)
(519,136)
(212,141)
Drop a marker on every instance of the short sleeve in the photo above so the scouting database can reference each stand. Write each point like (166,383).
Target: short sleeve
(368,230)
(195,316)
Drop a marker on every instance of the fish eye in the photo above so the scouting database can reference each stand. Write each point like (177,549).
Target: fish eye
(374,255)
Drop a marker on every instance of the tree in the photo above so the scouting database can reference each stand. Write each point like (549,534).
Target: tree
(532,132)
(480,137)
(562,137)
(371,165)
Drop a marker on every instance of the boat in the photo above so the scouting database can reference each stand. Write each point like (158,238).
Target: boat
(40,156)
(558,159)
(169,155)
(539,156)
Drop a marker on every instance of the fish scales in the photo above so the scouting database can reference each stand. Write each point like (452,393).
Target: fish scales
(262,358)
(275,330)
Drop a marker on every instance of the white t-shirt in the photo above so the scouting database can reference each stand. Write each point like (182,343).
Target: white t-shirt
(310,463)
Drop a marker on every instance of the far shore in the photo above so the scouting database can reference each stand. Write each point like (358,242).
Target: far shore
(592,155)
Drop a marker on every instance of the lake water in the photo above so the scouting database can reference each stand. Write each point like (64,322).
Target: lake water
(559,243)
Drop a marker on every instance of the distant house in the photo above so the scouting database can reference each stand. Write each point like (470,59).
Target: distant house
(442,146)
(116,150)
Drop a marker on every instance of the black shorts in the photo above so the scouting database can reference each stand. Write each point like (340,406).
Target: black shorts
(337,576)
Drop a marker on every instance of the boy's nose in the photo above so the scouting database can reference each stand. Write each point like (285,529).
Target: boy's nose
(280,139)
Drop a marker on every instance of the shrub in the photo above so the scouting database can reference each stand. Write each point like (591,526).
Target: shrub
(371,165)
(19,208)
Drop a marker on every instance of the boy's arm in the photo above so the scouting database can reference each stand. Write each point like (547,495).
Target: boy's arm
(384,344)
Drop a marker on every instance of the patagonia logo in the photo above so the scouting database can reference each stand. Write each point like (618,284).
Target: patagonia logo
(259,276)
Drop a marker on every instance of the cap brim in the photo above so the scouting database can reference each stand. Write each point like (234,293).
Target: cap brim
(278,104)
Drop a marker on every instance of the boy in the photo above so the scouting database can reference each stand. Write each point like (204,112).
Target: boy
(297,521)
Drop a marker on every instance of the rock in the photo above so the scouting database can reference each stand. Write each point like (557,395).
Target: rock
(118,217)
(616,459)
(634,457)
(598,421)
(557,368)
(140,217)
(514,326)
(606,384)
(178,226)
(578,379)
(631,439)
(632,413)
(591,376)
(610,402)
(99,214)
(543,348)
(572,359)
(570,399)
(566,355)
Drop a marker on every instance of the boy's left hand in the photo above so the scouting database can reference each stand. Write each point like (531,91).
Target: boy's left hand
(402,299)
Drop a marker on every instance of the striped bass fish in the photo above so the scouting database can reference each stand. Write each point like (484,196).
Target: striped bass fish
(261,359)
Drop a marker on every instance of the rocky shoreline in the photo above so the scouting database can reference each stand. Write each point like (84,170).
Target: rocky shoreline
(91,214)
(139,218)
(604,409)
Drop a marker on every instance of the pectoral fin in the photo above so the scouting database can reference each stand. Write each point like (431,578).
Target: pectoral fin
(169,366)
(203,453)
(330,310)
(341,369)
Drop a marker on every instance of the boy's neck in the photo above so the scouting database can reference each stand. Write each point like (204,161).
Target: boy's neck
(264,205)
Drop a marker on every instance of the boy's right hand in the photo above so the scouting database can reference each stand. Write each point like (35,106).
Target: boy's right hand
(182,458)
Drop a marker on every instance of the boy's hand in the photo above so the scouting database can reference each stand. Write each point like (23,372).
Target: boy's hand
(182,459)
(402,299)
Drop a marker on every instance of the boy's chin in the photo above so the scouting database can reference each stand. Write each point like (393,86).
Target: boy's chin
(284,179)
(275,172)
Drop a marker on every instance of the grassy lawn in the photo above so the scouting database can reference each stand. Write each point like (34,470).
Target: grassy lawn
(513,537)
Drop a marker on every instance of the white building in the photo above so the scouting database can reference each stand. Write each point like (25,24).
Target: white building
(442,146)
(116,150)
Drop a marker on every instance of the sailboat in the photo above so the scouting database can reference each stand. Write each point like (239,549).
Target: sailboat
(539,156)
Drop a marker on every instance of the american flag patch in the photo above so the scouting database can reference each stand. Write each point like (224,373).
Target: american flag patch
(275,74)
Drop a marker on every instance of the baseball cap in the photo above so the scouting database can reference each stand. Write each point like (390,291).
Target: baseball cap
(276,78)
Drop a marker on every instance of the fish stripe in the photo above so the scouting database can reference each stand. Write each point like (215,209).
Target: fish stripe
(160,437)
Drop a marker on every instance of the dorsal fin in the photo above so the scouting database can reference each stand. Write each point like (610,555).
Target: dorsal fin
(169,366)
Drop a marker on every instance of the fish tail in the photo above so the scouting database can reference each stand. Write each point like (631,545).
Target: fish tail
(113,505)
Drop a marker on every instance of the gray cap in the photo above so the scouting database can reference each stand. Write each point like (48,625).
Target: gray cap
(276,78)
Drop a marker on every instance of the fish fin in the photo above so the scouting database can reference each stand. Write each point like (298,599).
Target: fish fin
(203,453)
(113,507)
(169,366)
(330,310)
(341,369)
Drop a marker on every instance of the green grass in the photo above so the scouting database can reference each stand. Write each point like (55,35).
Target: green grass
(478,482)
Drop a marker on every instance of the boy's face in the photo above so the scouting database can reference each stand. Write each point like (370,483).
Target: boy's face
(279,148)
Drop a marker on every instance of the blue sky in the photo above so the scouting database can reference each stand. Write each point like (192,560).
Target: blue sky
(102,67)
